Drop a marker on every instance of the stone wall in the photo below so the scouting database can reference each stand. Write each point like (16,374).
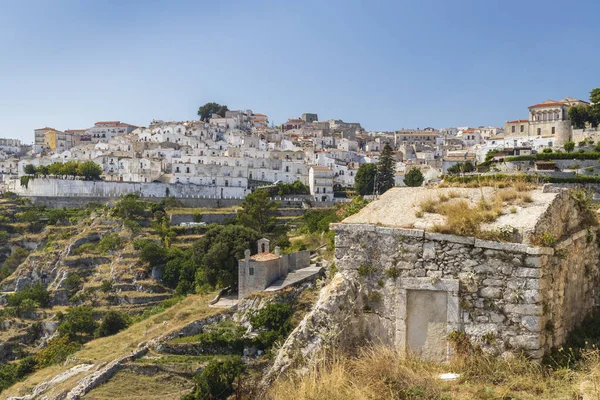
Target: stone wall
(586,134)
(296,260)
(70,187)
(504,296)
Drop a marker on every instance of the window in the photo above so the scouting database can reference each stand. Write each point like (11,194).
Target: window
(177,169)
(251,271)
(522,128)
(553,130)
(187,170)
(539,131)
(513,129)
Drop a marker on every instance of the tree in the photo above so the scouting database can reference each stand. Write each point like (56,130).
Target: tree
(151,252)
(69,168)
(569,146)
(595,96)
(111,323)
(217,253)
(29,169)
(41,170)
(364,181)
(579,115)
(386,170)
(89,170)
(216,380)
(414,177)
(258,212)
(129,207)
(78,323)
(461,168)
(206,111)
(55,169)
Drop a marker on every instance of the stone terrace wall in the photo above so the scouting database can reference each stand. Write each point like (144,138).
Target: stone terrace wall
(502,295)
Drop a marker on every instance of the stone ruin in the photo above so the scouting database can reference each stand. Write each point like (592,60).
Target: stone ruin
(402,285)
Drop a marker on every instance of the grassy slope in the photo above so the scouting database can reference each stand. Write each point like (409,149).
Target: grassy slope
(384,374)
(103,350)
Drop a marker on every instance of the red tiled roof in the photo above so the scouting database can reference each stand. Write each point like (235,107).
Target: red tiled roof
(517,121)
(548,103)
(264,257)
(108,122)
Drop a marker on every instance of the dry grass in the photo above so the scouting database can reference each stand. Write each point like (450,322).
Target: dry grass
(518,182)
(123,343)
(465,219)
(129,385)
(383,373)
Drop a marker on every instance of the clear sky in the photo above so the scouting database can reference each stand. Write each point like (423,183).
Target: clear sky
(386,64)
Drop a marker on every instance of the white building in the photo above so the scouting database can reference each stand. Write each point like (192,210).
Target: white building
(321,183)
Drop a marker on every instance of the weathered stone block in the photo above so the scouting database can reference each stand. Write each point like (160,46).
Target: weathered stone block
(412,233)
(526,342)
(532,323)
(450,238)
(533,284)
(491,292)
(524,309)
(527,272)
(497,317)
(514,247)
(428,251)
(493,282)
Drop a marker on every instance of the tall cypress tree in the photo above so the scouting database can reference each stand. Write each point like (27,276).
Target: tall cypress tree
(386,170)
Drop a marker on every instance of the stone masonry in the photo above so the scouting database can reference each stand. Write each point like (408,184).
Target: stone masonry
(418,286)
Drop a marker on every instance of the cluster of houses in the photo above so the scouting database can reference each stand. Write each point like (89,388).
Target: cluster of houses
(240,150)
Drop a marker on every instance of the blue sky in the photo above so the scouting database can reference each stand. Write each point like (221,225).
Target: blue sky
(386,64)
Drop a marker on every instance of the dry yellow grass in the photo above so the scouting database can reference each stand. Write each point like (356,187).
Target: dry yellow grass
(464,219)
(383,373)
(112,347)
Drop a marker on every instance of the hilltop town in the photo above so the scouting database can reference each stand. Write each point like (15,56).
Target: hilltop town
(227,156)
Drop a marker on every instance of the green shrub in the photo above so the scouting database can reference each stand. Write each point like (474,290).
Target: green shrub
(85,248)
(27,306)
(57,351)
(544,156)
(110,242)
(273,321)
(78,324)
(366,269)
(12,262)
(106,286)
(216,380)
(37,293)
(111,323)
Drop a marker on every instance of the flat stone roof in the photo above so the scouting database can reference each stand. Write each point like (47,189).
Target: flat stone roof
(398,207)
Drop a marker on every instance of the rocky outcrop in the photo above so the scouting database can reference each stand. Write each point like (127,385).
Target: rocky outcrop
(335,321)
(44,386)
